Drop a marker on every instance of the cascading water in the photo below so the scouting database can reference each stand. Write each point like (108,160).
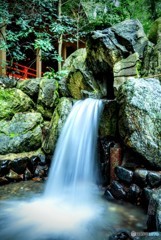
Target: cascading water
(67,202)
(74,159)
(70,207)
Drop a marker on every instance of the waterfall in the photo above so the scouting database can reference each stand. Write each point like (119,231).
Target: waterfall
(70,207)
(73,164)
(68,203)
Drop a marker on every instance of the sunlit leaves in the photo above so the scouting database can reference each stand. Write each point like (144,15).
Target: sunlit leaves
(44,44)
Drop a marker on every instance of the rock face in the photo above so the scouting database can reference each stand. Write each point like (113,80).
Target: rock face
(152,59)
(108,122)
(140,119)
(113,54)
(22,133)
(79,81)
(47,98)
(113,44)
(30,87)
(125,69)
(12,101)
(58,119)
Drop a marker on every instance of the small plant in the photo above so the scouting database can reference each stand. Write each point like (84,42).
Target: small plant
(56,75)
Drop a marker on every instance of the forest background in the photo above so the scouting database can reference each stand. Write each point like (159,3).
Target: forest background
(45,24)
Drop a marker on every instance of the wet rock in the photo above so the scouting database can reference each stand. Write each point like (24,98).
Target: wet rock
(41,171)
(132,160)
(147,194)
(35,160)
(108,195)
(108,121)
(121,235)
(104,155)
(3,181)
(152,211)
(58,119)
(117,190)
(140,177)
(27,174)
(134,194)
(154,179)
(124,174)
(19,165)
(148,236)
(42,159)
(158,220)
(115,159)
(140,103)
(14,176)
(4,167)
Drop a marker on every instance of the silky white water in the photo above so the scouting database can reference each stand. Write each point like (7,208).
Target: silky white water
(71,207)
(74,162)
(68,203)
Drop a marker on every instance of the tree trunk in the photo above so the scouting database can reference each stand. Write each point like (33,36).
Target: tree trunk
(2,51)
(60,40)
(38,63)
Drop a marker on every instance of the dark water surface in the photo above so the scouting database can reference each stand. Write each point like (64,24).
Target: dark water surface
(26,215)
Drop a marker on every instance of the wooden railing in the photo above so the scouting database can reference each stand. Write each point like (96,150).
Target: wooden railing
(20,71)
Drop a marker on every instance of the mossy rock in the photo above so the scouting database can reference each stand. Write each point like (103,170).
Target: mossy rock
(12,101)
(48,97)
(155,31)
(109,118)
(30,87)
(58,119)
(22,133)
(76,60)
(79,81)
(140,118)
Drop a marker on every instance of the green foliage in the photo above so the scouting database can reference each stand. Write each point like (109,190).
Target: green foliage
(55,75)
(35,24)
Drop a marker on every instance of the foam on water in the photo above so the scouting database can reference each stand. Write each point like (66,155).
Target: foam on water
(68,203)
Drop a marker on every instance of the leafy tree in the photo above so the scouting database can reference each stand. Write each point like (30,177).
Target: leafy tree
(39,24)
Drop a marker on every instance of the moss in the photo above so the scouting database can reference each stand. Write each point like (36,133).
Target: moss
(153,32)
(76,84)
(13,101)
(13,135)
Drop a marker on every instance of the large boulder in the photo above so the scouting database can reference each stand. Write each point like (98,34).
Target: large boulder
(154,34)
(48,96)
(8,82)
(79,81)
(58,119)
(108,121)
(152,57)
(113,54)
(30,87)
(140,119)
(21,134)
(12,101)
(110,45)
(125,69)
